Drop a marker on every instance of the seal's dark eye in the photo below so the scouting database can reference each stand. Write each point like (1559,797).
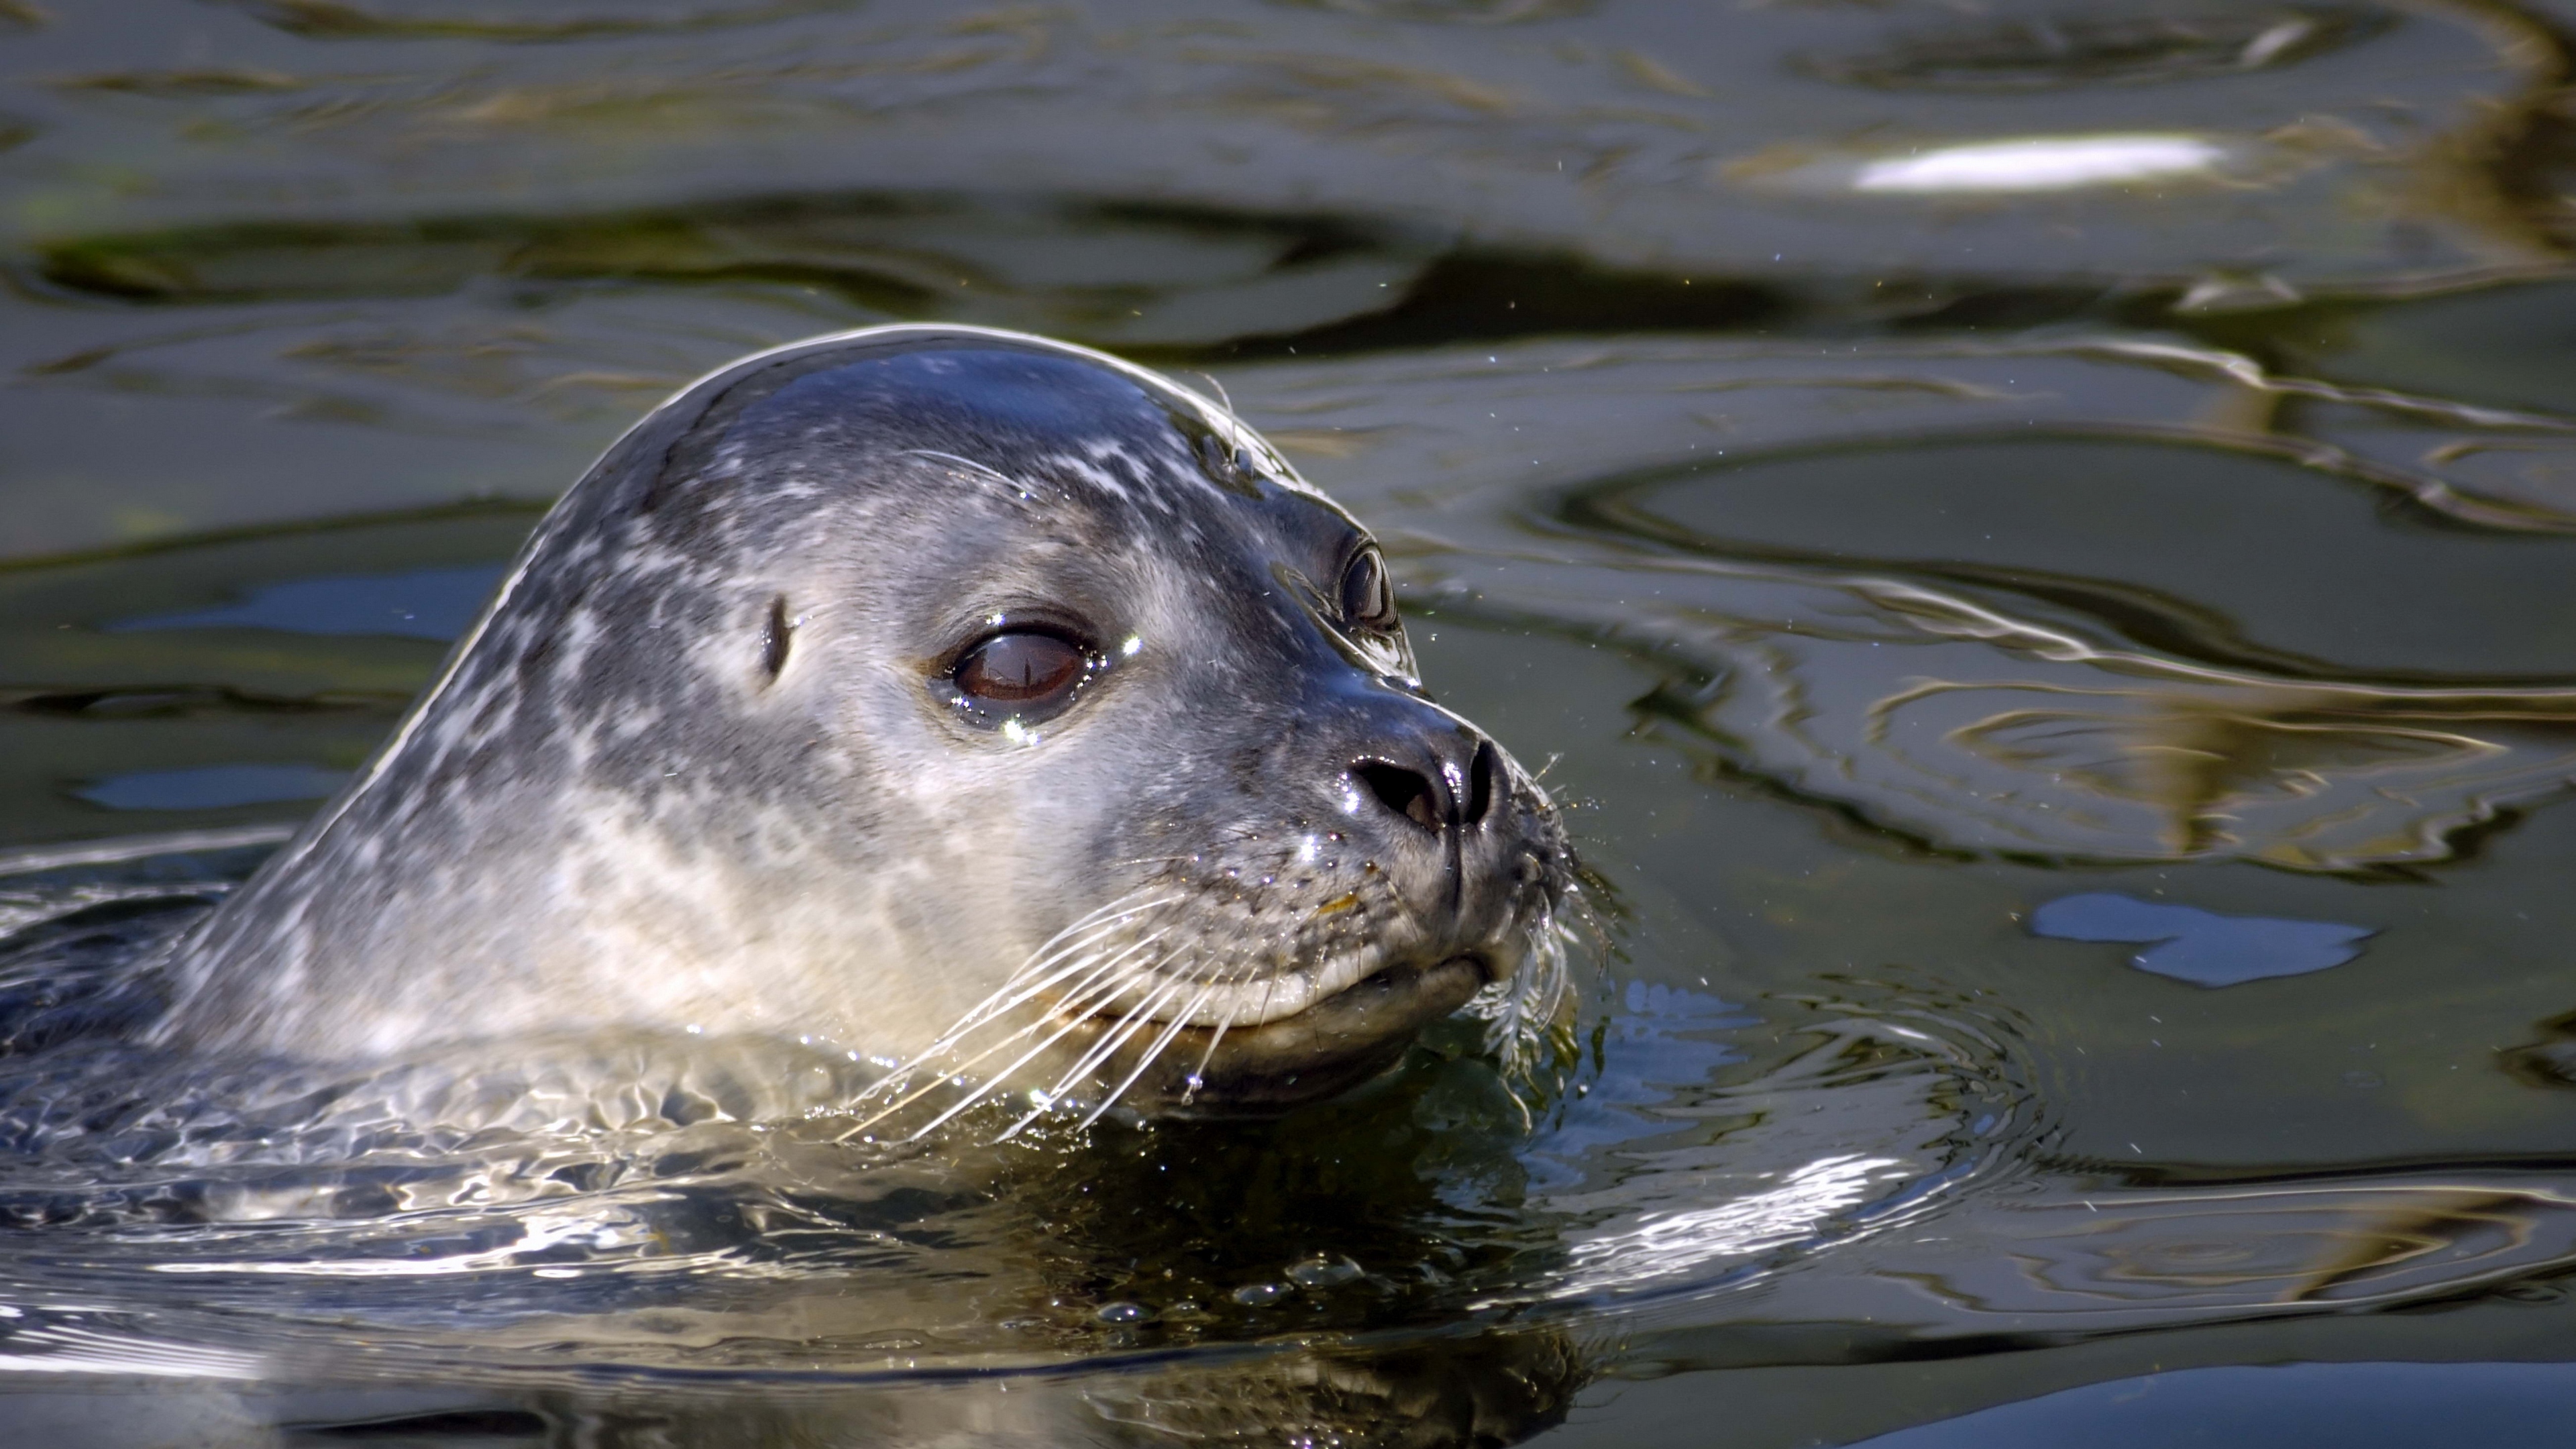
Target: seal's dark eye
(1021,673)
(1368,601)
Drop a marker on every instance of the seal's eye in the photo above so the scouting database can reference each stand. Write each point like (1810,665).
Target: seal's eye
(1020,674)
(1368,600)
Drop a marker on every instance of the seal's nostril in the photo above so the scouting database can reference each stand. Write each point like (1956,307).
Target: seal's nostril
(1484,781)
(1401,790)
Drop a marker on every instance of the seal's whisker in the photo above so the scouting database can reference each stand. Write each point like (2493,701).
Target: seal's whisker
(1080,937)
(1134,1021)
(945,1077)
(1524,1015)
(1091,929)
(1103,984)
(1100,975)
(1018,492)
(1100,986)
(1119,909)
(1005,998)
(995,1082)
(1268,990)
(1172,1028)
(1029,981)
(1198,1074)
(1029,990)
(1118,1036)
(947,1048)
(1091,996)
(1220,390)
(1100,1051)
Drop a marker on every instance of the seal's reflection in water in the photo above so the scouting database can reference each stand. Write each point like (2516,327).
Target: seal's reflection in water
(1490,1389)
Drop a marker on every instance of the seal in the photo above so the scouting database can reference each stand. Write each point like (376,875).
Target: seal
(964,699)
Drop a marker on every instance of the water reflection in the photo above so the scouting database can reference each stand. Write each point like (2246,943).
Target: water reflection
(2202,947)
(518,22)
(2345,1403)
(2067,1256)
(424,604)
(1606,133)
(1492,1389)
(212,787)
(2066,47)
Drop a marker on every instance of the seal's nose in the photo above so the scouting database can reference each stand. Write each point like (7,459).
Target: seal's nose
(1445,785)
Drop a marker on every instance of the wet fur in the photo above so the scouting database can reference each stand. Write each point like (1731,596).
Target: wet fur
(686,775)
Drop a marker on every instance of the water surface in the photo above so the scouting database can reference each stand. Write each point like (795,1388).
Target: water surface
(1917,473)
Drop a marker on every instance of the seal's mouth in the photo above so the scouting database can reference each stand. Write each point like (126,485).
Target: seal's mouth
(1327,1047)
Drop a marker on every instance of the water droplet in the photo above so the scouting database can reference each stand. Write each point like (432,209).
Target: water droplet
(1322,1271)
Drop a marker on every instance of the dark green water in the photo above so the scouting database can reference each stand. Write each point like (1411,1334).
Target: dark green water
(1907,464)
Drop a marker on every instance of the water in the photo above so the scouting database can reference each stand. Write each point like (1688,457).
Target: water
(2035,538)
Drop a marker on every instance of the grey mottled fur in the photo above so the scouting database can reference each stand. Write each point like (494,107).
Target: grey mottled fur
(608,814)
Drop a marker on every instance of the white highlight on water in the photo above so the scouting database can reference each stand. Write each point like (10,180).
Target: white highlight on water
(2041,163)
(1665,1245)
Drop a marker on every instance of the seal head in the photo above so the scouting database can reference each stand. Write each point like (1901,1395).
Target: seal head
(958,697)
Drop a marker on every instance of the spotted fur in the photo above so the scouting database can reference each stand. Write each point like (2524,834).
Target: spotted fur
(685,773)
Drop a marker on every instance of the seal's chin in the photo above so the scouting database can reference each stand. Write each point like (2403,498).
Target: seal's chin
(1331,1046)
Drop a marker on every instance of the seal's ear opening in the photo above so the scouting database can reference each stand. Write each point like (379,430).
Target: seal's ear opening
(774,635)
